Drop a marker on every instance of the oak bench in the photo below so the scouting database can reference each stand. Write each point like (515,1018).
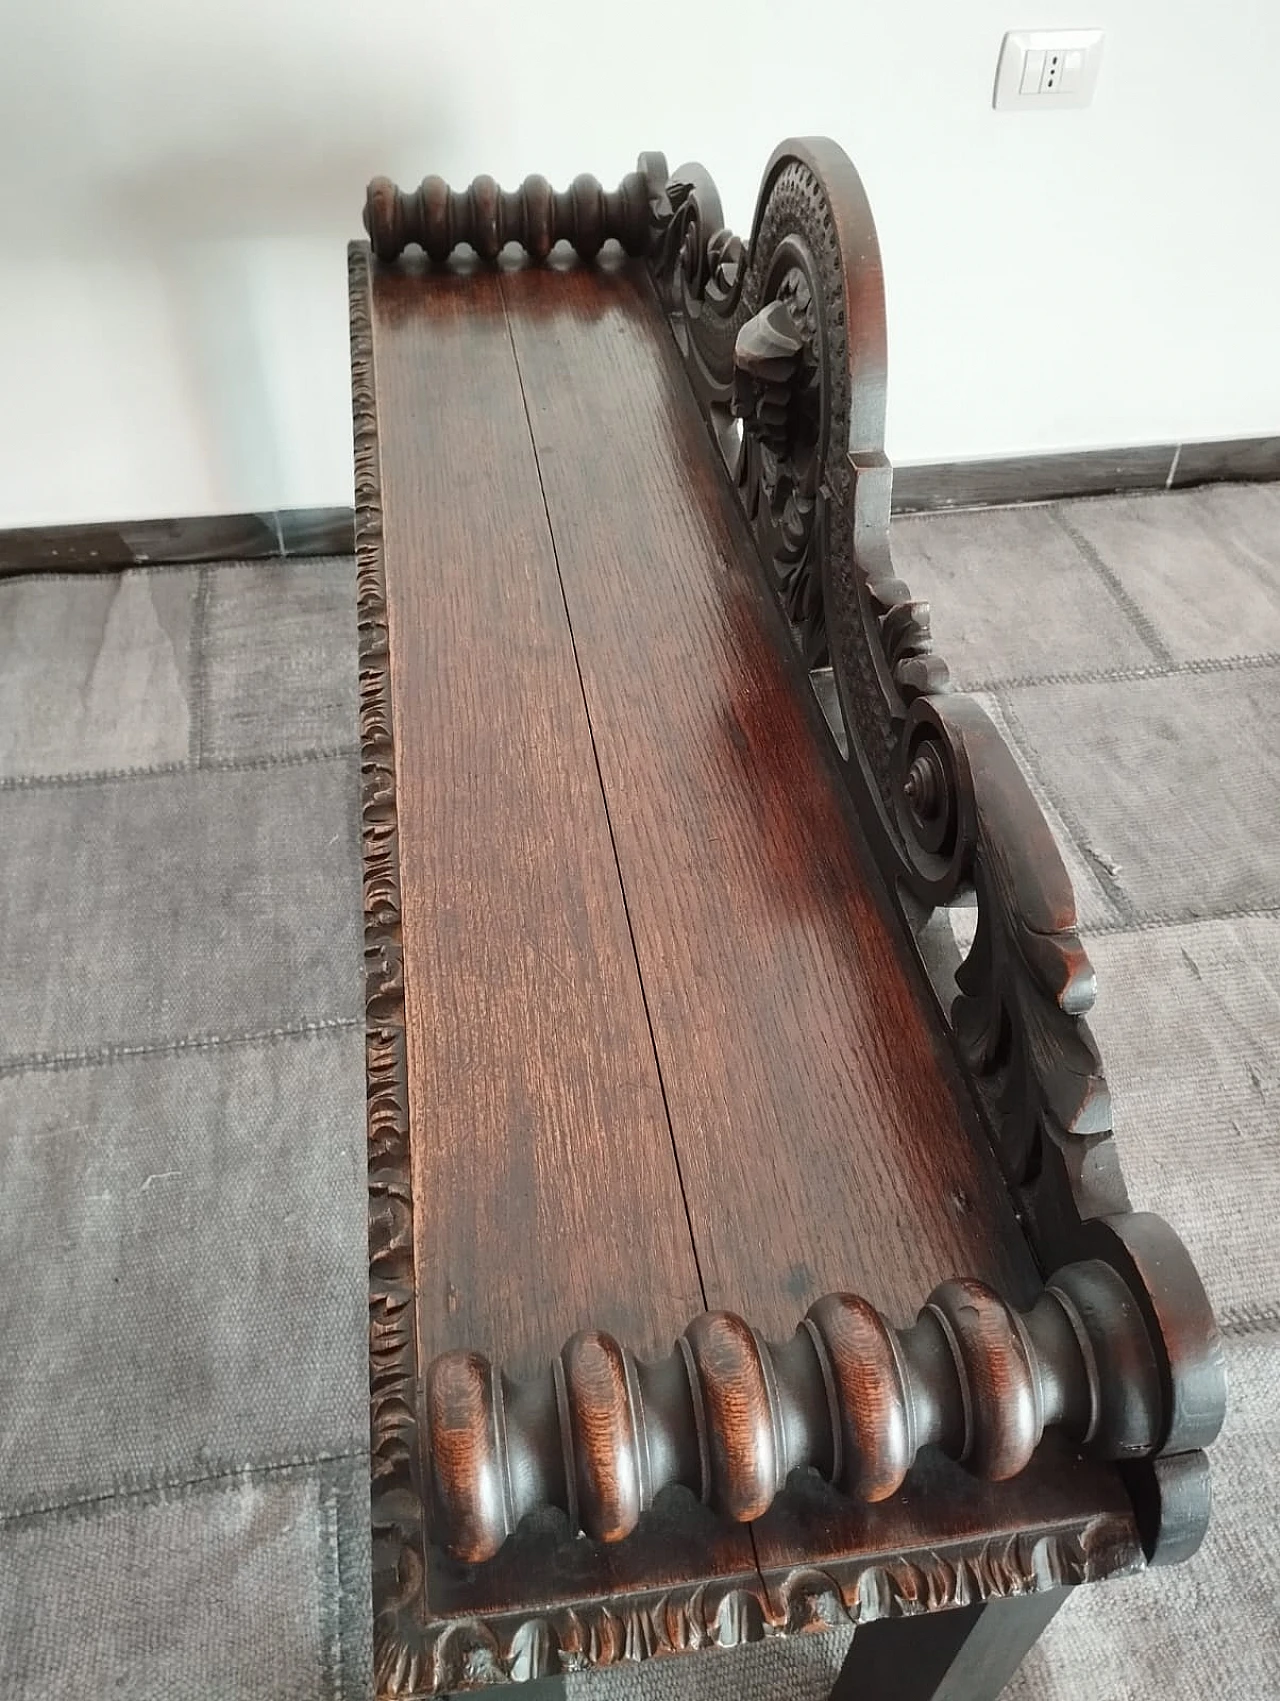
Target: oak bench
(668,811)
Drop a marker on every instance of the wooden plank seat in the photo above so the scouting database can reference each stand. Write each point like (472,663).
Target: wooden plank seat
(667,803)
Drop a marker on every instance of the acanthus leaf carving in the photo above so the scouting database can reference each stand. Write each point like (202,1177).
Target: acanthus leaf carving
(789,367)
(796,354)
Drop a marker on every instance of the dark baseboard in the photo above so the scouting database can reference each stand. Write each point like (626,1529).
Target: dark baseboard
(925,489)
(151,543)
(1241,460)
(920,489)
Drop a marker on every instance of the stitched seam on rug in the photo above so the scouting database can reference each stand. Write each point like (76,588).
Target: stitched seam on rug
(351,1507)
(1249,1320)
(1017,740)
(172,770)
(56,1061)
(1120,900)
(49,575)
(1120,594)
(1150,923)
(159,1487)
(1124,675)
(329,1585)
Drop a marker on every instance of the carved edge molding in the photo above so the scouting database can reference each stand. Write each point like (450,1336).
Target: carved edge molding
(1020,1563)
(783,339)
(396,1502)
(472,1653)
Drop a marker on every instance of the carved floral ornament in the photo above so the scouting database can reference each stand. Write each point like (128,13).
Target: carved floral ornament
(783,340)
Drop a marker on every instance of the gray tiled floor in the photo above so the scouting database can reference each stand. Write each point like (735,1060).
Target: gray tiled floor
(1206,1628)
(206,1593)
(183,1423)
(1014,596)
(113,686)
(1227,606)
(183,1481)
(1190,1019)
(175,904)
(122,1182)
(278,640)
(1152,741)
(1168,783)
(1094,902)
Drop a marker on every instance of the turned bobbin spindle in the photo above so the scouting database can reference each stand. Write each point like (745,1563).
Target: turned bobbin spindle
(729,1415)
(535,216)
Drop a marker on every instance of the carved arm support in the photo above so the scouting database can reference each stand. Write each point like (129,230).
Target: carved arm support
(729,1415)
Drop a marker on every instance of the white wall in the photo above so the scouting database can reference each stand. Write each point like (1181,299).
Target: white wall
(179,177)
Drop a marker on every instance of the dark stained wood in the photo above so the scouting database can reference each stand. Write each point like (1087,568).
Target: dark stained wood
(486,218)
(544,1187)
(645,1016)
(519,1229)
(784,346)
(968,1654)
(945,1538)
(544,1181)
(729,1415)
(823,1135)
(821,1139)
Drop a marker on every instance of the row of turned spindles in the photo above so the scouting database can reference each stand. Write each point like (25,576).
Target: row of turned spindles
(535,216)
(729,1415)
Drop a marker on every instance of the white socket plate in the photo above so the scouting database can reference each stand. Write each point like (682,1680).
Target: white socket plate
(1047,70)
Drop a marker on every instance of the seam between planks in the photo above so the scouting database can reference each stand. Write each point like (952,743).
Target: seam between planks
(613,843)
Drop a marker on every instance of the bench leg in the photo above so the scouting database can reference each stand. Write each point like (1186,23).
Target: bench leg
(966,1654)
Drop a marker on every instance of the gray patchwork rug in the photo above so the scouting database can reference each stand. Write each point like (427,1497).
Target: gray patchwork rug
(183,1496)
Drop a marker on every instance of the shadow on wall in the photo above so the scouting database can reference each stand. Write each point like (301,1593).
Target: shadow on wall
(203,150)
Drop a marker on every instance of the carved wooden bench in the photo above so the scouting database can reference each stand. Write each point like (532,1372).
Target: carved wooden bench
(667,801)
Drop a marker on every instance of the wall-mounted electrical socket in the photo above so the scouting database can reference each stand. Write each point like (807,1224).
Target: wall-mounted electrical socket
(1046,70)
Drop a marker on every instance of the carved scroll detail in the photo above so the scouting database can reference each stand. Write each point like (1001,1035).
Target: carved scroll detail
(760,351)
(468,1653)
(396,1499)
(787,335)
(487,218)
(784,343)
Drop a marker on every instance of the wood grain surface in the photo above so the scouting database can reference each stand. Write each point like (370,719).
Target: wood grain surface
(824,1139)
(664,1050)
(820,1131)
(545,1189)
